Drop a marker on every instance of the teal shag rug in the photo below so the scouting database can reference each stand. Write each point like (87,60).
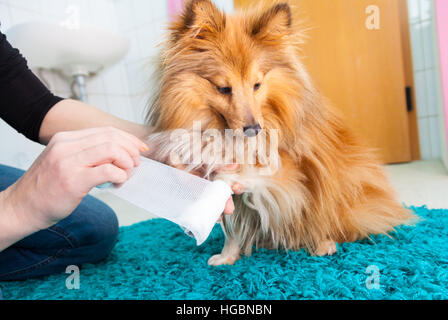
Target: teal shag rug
(155,260)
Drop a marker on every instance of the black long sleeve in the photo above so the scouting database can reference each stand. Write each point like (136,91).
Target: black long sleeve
(24,99)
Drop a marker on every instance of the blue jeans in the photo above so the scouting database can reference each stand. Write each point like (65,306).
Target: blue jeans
(86,236)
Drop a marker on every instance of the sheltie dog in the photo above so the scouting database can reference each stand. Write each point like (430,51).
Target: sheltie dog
(243,72)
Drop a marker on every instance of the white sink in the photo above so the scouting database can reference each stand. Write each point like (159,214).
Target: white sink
(80,51)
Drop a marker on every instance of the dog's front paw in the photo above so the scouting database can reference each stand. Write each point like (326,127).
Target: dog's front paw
(326,248)
(220,259)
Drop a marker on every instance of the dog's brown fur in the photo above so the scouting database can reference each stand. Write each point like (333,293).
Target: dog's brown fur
(330,188)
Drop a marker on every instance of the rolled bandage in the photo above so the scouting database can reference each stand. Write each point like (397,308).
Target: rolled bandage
(193,203)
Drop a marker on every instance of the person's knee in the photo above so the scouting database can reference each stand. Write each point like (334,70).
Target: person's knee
(106,234)
(104,230)
(9,175)
(97,228)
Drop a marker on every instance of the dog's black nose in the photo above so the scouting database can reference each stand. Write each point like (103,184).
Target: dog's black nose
(252,131)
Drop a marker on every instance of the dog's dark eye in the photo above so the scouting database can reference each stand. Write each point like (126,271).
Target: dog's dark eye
(224,90)
(257,86)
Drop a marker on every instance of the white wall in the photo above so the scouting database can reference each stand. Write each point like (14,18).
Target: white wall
(106,91)
(427,78)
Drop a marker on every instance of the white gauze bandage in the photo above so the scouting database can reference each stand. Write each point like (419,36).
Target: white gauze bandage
(193,203)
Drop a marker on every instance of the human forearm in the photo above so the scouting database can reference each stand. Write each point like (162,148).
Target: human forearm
(69,115)
(14,224)
(71,165)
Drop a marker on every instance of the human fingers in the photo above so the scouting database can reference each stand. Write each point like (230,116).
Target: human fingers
(105,173)
(100,138)
(109,152)
(238,188)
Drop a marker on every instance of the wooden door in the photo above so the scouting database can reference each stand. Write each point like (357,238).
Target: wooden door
(360,70)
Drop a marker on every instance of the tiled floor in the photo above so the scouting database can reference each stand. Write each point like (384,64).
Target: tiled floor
(421,183)
(127,213)
(418,183)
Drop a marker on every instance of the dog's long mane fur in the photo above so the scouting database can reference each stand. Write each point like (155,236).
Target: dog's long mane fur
(328,187)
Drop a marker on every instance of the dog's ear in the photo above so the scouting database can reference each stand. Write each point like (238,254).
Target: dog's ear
(199,19)
(273,23)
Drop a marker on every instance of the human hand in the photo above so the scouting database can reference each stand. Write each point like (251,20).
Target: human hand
(71,165)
